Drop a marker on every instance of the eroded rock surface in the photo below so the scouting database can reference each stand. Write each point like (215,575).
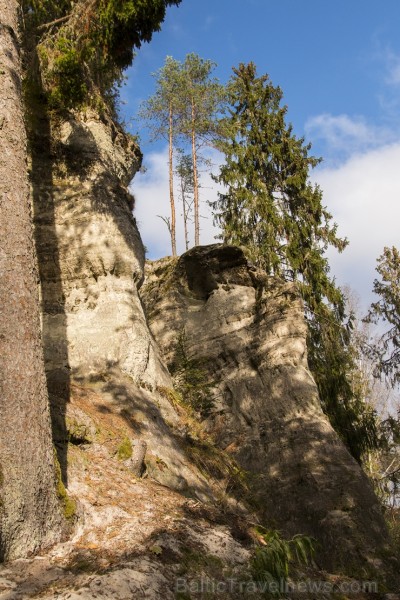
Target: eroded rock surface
(110,389)
(248,332)
(91,254)
(134,538)
(91,264)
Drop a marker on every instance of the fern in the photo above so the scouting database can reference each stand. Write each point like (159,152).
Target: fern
(271,561)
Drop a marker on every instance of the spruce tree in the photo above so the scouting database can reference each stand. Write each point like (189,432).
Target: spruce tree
(270,207)
(387,309)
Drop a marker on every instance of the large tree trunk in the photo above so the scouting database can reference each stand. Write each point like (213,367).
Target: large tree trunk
(29,509)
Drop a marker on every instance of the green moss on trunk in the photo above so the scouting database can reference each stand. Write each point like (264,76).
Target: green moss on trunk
(68,504)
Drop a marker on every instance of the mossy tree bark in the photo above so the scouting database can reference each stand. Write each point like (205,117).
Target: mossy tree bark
(30,515)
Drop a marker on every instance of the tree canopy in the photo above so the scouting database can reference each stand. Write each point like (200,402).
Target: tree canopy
(84,46)
(184,109)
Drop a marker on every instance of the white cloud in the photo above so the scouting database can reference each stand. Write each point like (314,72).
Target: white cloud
(346,135)
(151,191)
(364,197)
(392,61)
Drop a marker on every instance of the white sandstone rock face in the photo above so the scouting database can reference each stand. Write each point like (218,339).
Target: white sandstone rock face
(91,246)
(91,261)
(249,333)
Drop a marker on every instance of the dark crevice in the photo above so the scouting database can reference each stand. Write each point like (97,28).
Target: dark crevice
(46,241)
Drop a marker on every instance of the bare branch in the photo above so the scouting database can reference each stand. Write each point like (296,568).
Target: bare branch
(55,22)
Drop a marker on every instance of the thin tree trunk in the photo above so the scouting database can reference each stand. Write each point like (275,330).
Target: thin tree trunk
(171,185)
(195,183)
(29,509)
(185,215)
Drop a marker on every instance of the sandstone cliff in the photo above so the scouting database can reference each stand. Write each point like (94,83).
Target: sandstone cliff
(249,334)
(91,262)
(107,358)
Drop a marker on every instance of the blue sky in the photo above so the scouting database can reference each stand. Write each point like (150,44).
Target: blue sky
(338,64)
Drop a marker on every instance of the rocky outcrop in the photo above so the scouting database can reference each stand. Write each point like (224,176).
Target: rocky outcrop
(91,264)
(91,254)
(245,331)
(248,333)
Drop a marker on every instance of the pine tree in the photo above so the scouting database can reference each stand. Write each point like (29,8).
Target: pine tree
(162,113)
(184,108)
(184,171)
(202,97)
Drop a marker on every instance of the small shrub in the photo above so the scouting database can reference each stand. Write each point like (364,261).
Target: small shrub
(191,379)
(201,449)
(68,88)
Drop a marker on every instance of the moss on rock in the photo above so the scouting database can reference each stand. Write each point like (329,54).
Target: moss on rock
(124,450)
